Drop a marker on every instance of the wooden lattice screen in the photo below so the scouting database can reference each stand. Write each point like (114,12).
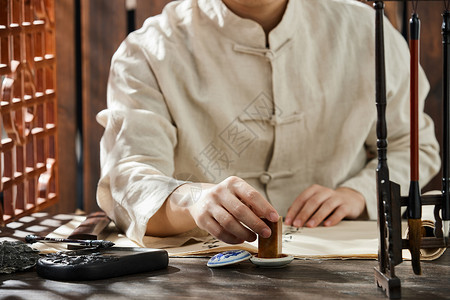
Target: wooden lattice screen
(28,107)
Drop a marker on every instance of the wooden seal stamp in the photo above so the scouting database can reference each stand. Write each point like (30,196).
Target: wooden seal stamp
(271,247)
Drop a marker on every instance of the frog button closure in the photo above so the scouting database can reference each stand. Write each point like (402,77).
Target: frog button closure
(265,178)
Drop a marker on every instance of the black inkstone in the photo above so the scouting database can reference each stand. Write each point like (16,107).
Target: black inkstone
(96,263)
(16,256)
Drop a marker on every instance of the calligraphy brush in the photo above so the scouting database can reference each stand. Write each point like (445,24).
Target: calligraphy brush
(414,203)
(446,121)
(88,243)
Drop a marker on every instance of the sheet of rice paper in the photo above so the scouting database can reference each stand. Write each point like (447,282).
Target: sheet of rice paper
(347,240)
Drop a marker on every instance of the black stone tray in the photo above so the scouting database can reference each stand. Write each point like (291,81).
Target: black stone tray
(93,264)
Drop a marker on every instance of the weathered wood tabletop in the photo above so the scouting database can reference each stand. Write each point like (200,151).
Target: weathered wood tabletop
(191,278)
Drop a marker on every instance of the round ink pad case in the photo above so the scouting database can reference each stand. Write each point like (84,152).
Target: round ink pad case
(228,258)
(272,262)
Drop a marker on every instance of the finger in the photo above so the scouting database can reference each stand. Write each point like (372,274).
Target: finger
(217,231)
(335,217)
(228,221)
(294,210)
(253,199)
(244,214)
(311,206)
(298,204)
(325,209)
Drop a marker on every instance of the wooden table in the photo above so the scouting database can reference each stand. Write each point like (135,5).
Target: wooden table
(191,278)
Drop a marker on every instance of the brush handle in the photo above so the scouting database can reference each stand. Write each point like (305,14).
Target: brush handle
(414,205)
(414,95)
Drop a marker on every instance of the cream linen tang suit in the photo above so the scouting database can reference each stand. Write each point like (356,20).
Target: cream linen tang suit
(196,95)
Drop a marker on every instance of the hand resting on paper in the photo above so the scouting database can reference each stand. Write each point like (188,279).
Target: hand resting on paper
(221,209)
(319,204)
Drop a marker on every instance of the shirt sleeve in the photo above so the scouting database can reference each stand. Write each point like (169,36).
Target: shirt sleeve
(137,147)
(398,128)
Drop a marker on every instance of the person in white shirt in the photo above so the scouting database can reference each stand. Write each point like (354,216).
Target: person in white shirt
(221,113)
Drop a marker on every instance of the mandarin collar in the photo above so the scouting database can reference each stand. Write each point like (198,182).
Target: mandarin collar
(246,32)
